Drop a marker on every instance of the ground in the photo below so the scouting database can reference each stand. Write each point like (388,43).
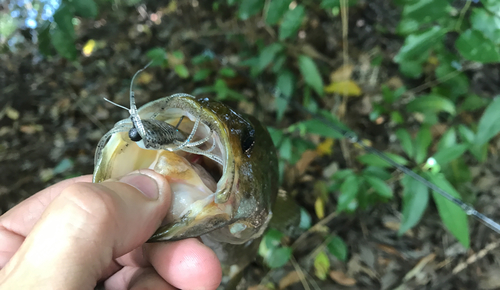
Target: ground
(53,114)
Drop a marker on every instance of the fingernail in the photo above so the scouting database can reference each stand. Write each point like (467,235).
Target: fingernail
(145,184)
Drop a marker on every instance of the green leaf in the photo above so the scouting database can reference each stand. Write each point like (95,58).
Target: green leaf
(276,10)
(426,11)
(291,22)
(489,124)
(315,126)
(44,41)
(311,74)
(492,5)
(448,139)
(8,25)
(338,248)
(321,266)
(157,55)
(63,44)
(63,18)
(378,172)
(406,141)
(417,46)
(449,154)
(415,200)
(466,134)
(201,74)
(411,68)
(454,218)
(487,23)
(85,8)
(329,4)
(348,192)
(278,63)
(474,46)
(279,257)
(181,70)
(272,238)
(342,174)
(431,103)
(227,72)
(379,186)
(268,54)
(285,85)
(285,149)
(375,160)
(455,81)
(249,8)
(472,103)
(422,142)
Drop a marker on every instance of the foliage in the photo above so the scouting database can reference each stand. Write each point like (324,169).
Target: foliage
(439,43)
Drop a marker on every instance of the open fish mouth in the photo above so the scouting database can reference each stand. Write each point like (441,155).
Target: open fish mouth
(193,177)
(219,175)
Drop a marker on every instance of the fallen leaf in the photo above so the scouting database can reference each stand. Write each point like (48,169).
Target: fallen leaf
(342,74)
(325,148)
(341,278)
(145,78)
(12,113)
(268,286)
(349,88)
(291,278)
(420,265)
(307,157)
(389,250)
(321,265)
(394,83)
(31,129)
(88,48)
(319,207)
(433,60)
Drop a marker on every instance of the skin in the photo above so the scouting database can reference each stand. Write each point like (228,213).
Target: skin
(76,233)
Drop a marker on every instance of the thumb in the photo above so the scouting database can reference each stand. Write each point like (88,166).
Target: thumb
(86,227)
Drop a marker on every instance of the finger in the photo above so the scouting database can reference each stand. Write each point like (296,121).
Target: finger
(19,221)
(186,264)
(88,225)
(137,278)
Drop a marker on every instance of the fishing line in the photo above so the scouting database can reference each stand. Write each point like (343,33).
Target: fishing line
(353,138)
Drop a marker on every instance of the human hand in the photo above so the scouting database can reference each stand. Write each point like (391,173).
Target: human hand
(75,233)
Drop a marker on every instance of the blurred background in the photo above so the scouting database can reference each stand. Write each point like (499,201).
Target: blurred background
(417,79)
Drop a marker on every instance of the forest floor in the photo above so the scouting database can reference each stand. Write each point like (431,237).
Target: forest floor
(52,115)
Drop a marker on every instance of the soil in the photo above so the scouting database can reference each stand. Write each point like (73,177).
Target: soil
(52,115)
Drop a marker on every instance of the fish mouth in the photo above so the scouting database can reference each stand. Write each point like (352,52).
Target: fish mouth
(196,180)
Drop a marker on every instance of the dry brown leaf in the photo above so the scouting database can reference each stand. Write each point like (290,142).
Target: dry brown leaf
(394,83)
(342,74)
(269,286)
(389,250)
(145,78)
(341,278)
(305,160)
(291,278)
(31,129)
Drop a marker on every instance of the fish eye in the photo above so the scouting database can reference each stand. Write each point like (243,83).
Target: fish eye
(133,134)
(248,139)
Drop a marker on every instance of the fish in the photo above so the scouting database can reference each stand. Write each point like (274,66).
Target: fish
(222,168)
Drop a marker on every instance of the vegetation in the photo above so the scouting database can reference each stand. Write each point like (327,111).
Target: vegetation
(441,42)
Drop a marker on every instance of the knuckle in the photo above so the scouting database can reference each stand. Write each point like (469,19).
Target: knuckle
(91,202)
